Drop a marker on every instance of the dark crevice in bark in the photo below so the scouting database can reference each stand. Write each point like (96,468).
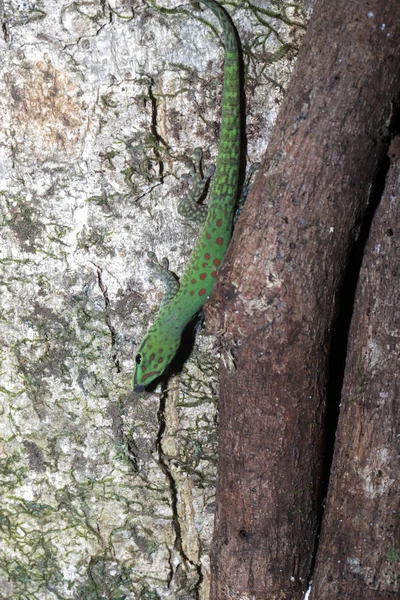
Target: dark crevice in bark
(158,140)
(164,464)
(163,461)
(5,31)
(107,307)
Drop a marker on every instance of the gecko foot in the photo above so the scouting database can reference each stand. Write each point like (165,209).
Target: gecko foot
(161,270)
(189,207)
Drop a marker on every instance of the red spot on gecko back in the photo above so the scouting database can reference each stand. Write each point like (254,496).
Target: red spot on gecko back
(202,292)
(216,262)
(208,236)
(203,276)
(214,273)
(219,222)
(193,281)
(192,293)
(220,241)
(207,256)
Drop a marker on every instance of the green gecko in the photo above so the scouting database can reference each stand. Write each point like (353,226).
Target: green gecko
(182,302)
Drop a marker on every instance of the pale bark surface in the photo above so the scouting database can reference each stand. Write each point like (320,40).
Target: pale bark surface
(276,300)
(359,550)
(105,494)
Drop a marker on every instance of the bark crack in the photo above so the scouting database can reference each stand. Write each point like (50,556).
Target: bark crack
(164,461)
(157,138)
(4,27)
(110,326)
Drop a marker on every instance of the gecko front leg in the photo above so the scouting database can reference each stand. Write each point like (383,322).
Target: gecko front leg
(161,269)
(189,206)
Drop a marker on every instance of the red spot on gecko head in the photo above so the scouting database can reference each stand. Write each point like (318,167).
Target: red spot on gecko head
(151,374)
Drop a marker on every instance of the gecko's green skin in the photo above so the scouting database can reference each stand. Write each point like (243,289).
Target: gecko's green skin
(181,303)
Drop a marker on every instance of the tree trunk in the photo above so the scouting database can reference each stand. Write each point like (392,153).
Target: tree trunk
(278,295)
(359,551)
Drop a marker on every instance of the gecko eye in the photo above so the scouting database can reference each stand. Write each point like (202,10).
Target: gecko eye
(138,359)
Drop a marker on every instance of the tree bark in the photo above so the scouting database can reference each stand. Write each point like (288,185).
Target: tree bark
(95,490)
(276,299)
(359,551)
(106,494)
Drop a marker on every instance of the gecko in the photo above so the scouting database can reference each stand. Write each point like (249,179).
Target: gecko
(182,301)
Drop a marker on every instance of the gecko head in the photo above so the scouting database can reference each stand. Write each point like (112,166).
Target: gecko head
(153,356)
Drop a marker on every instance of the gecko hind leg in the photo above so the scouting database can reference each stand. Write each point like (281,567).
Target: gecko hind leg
(161,270)
(189,206)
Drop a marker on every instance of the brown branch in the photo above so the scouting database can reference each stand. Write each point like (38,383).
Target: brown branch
(276,299)
(359,551)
